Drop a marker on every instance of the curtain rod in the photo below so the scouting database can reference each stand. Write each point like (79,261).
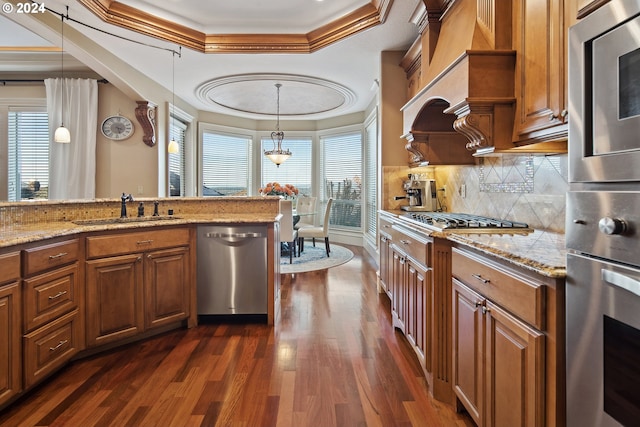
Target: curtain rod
(5,81)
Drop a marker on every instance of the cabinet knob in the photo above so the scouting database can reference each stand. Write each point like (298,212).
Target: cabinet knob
(485,310)
(57,256)
(58,295)
(563,114)
(60,344)
(480,278)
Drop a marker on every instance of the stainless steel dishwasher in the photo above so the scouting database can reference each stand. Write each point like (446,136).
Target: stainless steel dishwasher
(232,272)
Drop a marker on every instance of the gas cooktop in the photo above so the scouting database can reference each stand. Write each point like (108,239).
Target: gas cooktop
(461,222)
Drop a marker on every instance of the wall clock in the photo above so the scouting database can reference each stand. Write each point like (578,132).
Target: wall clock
(117,127)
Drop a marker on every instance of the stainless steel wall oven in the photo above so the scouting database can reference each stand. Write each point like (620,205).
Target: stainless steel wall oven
(603,219)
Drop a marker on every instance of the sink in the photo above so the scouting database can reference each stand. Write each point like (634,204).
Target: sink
(128,220)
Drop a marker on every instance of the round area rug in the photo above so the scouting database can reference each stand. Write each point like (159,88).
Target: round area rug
(315,258)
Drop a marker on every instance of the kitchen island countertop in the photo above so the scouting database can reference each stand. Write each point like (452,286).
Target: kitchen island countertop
(25,222)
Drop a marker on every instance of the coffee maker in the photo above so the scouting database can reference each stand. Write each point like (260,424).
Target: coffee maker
(421,193)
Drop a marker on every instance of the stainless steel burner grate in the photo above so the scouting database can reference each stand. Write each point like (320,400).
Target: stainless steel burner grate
(447,220)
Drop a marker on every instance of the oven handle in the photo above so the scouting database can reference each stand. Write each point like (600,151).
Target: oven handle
(621,281)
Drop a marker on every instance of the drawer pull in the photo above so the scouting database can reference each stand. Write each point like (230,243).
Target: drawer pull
(60,255)
(480,278)
(386,226)
(58,295)
(60,344)
(144,242)
(405,242)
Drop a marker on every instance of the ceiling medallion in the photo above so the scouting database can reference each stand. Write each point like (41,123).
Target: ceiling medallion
(253,94)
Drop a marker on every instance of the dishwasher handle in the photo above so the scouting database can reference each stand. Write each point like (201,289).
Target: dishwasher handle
(233,235)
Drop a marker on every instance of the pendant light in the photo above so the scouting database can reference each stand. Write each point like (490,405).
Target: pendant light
(62,134)
(173,147)
(277,155)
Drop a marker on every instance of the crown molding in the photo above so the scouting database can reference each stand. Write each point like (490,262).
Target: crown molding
(116,13)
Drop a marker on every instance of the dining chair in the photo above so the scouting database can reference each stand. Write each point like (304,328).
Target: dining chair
(287,234)
(306,208)
(317,231)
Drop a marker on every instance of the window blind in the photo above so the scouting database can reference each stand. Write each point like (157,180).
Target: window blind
(226,161)
(28,154)
(371,148)
(342,166)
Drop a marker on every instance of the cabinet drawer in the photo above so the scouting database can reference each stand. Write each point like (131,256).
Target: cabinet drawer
(412,244)
(9,267)
(385,226)
(50,295)
(50,347)
(45,257)
(143,241)
(516,293)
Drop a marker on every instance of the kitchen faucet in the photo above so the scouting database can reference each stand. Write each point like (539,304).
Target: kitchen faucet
(123,207)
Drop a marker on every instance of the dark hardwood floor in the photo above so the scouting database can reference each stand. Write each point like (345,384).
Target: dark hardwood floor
(333,360)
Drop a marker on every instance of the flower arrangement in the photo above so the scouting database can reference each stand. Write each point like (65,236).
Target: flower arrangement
(275,189)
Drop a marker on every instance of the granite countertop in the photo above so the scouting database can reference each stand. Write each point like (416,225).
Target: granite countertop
(27,233)
(540,251)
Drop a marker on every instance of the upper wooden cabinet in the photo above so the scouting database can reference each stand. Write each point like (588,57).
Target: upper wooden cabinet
(540,38)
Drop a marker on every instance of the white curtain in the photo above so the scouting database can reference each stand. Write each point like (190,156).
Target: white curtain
(72,167)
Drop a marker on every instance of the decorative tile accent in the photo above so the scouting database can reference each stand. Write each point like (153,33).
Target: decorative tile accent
(506,174)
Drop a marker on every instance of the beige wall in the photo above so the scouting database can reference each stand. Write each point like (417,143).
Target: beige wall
(128,166)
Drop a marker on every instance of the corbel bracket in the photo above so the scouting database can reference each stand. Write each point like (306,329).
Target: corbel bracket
(146,115)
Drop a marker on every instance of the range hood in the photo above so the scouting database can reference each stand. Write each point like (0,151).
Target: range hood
(470,75)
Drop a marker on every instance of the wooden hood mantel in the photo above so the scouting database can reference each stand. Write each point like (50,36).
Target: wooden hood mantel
(478,88)
(472,69)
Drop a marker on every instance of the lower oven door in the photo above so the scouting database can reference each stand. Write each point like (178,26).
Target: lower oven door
(603,343)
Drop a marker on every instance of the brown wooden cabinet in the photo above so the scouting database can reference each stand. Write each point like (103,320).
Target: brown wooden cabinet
(166,286)
(386,256)
(507,343)
(10,327)
(115,308)
(136,281)
(412,291)
(498,362)
(52,323)
(540,38)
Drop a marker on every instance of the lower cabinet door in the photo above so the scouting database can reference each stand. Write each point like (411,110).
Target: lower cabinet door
(468,349)
(515,371)
(115,299)
(10,337)
(418,309)
(166,277)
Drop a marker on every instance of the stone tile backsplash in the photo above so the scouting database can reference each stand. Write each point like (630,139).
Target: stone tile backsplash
(525,188)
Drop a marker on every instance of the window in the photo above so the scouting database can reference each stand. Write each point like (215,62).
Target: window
(226,164)
(370,152)
(28,154)
(296,170)
(177,131)
(342,165)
